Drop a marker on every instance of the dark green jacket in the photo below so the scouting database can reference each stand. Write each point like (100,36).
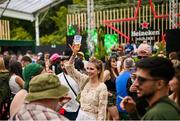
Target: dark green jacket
(4,86)
(164,109)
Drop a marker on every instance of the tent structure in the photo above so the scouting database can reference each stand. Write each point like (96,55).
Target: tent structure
(27,10)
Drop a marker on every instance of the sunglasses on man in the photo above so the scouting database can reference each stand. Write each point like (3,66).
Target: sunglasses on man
(141,57)
(142,80)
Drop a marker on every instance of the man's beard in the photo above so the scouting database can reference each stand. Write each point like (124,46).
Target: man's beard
(149,95)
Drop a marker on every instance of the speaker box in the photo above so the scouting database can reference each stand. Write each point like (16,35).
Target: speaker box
(173,40)
(69,40)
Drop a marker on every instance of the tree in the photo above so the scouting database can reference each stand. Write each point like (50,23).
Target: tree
(21,29)
(58,36)
(20,34)
(79,1)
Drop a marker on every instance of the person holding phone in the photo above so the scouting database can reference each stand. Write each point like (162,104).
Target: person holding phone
(93,98)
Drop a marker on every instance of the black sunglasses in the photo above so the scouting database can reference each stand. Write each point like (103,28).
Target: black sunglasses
(140,57)
(141,79)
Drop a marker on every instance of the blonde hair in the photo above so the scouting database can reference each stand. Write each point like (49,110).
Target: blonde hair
(99,65)
(2,65)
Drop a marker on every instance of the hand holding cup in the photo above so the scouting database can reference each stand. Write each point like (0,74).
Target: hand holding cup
(76,44)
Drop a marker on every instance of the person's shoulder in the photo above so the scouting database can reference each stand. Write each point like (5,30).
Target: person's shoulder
(161,114)
(107,71)
(171,96)
(21,93)
(163,106)
(60,74)
(161,109)
(119,76)
(18,77)
(55,116)
(4,76)
(123,74)
(102,86)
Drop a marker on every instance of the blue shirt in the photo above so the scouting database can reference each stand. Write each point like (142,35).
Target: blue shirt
(121,90)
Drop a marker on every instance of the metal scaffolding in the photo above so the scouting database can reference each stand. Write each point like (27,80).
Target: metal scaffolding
(91,25)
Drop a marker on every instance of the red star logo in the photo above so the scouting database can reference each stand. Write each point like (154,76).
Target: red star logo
(144,25)
(108,22)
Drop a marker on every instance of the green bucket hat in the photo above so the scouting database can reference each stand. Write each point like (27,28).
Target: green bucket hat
(30,71)
(45,86)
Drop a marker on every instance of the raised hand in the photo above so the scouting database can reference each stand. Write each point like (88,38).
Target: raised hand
(75,48)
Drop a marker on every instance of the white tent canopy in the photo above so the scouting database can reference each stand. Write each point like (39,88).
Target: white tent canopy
(27,10)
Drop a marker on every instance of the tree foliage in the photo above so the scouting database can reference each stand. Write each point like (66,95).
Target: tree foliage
(79,1)
(58,36)
(52,39)
(20,33)
(60,19)
(109,2)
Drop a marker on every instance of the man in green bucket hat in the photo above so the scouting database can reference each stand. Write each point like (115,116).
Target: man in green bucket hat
(45,97)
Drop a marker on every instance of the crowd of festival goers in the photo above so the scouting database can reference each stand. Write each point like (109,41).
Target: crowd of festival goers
(130,84)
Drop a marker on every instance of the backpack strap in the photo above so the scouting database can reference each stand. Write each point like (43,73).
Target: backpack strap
(69,85)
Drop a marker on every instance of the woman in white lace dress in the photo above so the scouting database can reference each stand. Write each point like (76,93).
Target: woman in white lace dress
(94,94)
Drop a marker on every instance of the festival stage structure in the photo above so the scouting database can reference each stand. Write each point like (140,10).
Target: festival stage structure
(134,22)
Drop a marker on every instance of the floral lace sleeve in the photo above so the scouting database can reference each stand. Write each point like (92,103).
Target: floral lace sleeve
(75,74)
(102,104)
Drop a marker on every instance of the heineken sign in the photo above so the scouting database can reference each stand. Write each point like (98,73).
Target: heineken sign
(145,33)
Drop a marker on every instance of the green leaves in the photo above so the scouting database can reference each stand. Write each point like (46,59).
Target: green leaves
(60,18)
(53,39)
(20,33)
(59,35)
(79,1)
